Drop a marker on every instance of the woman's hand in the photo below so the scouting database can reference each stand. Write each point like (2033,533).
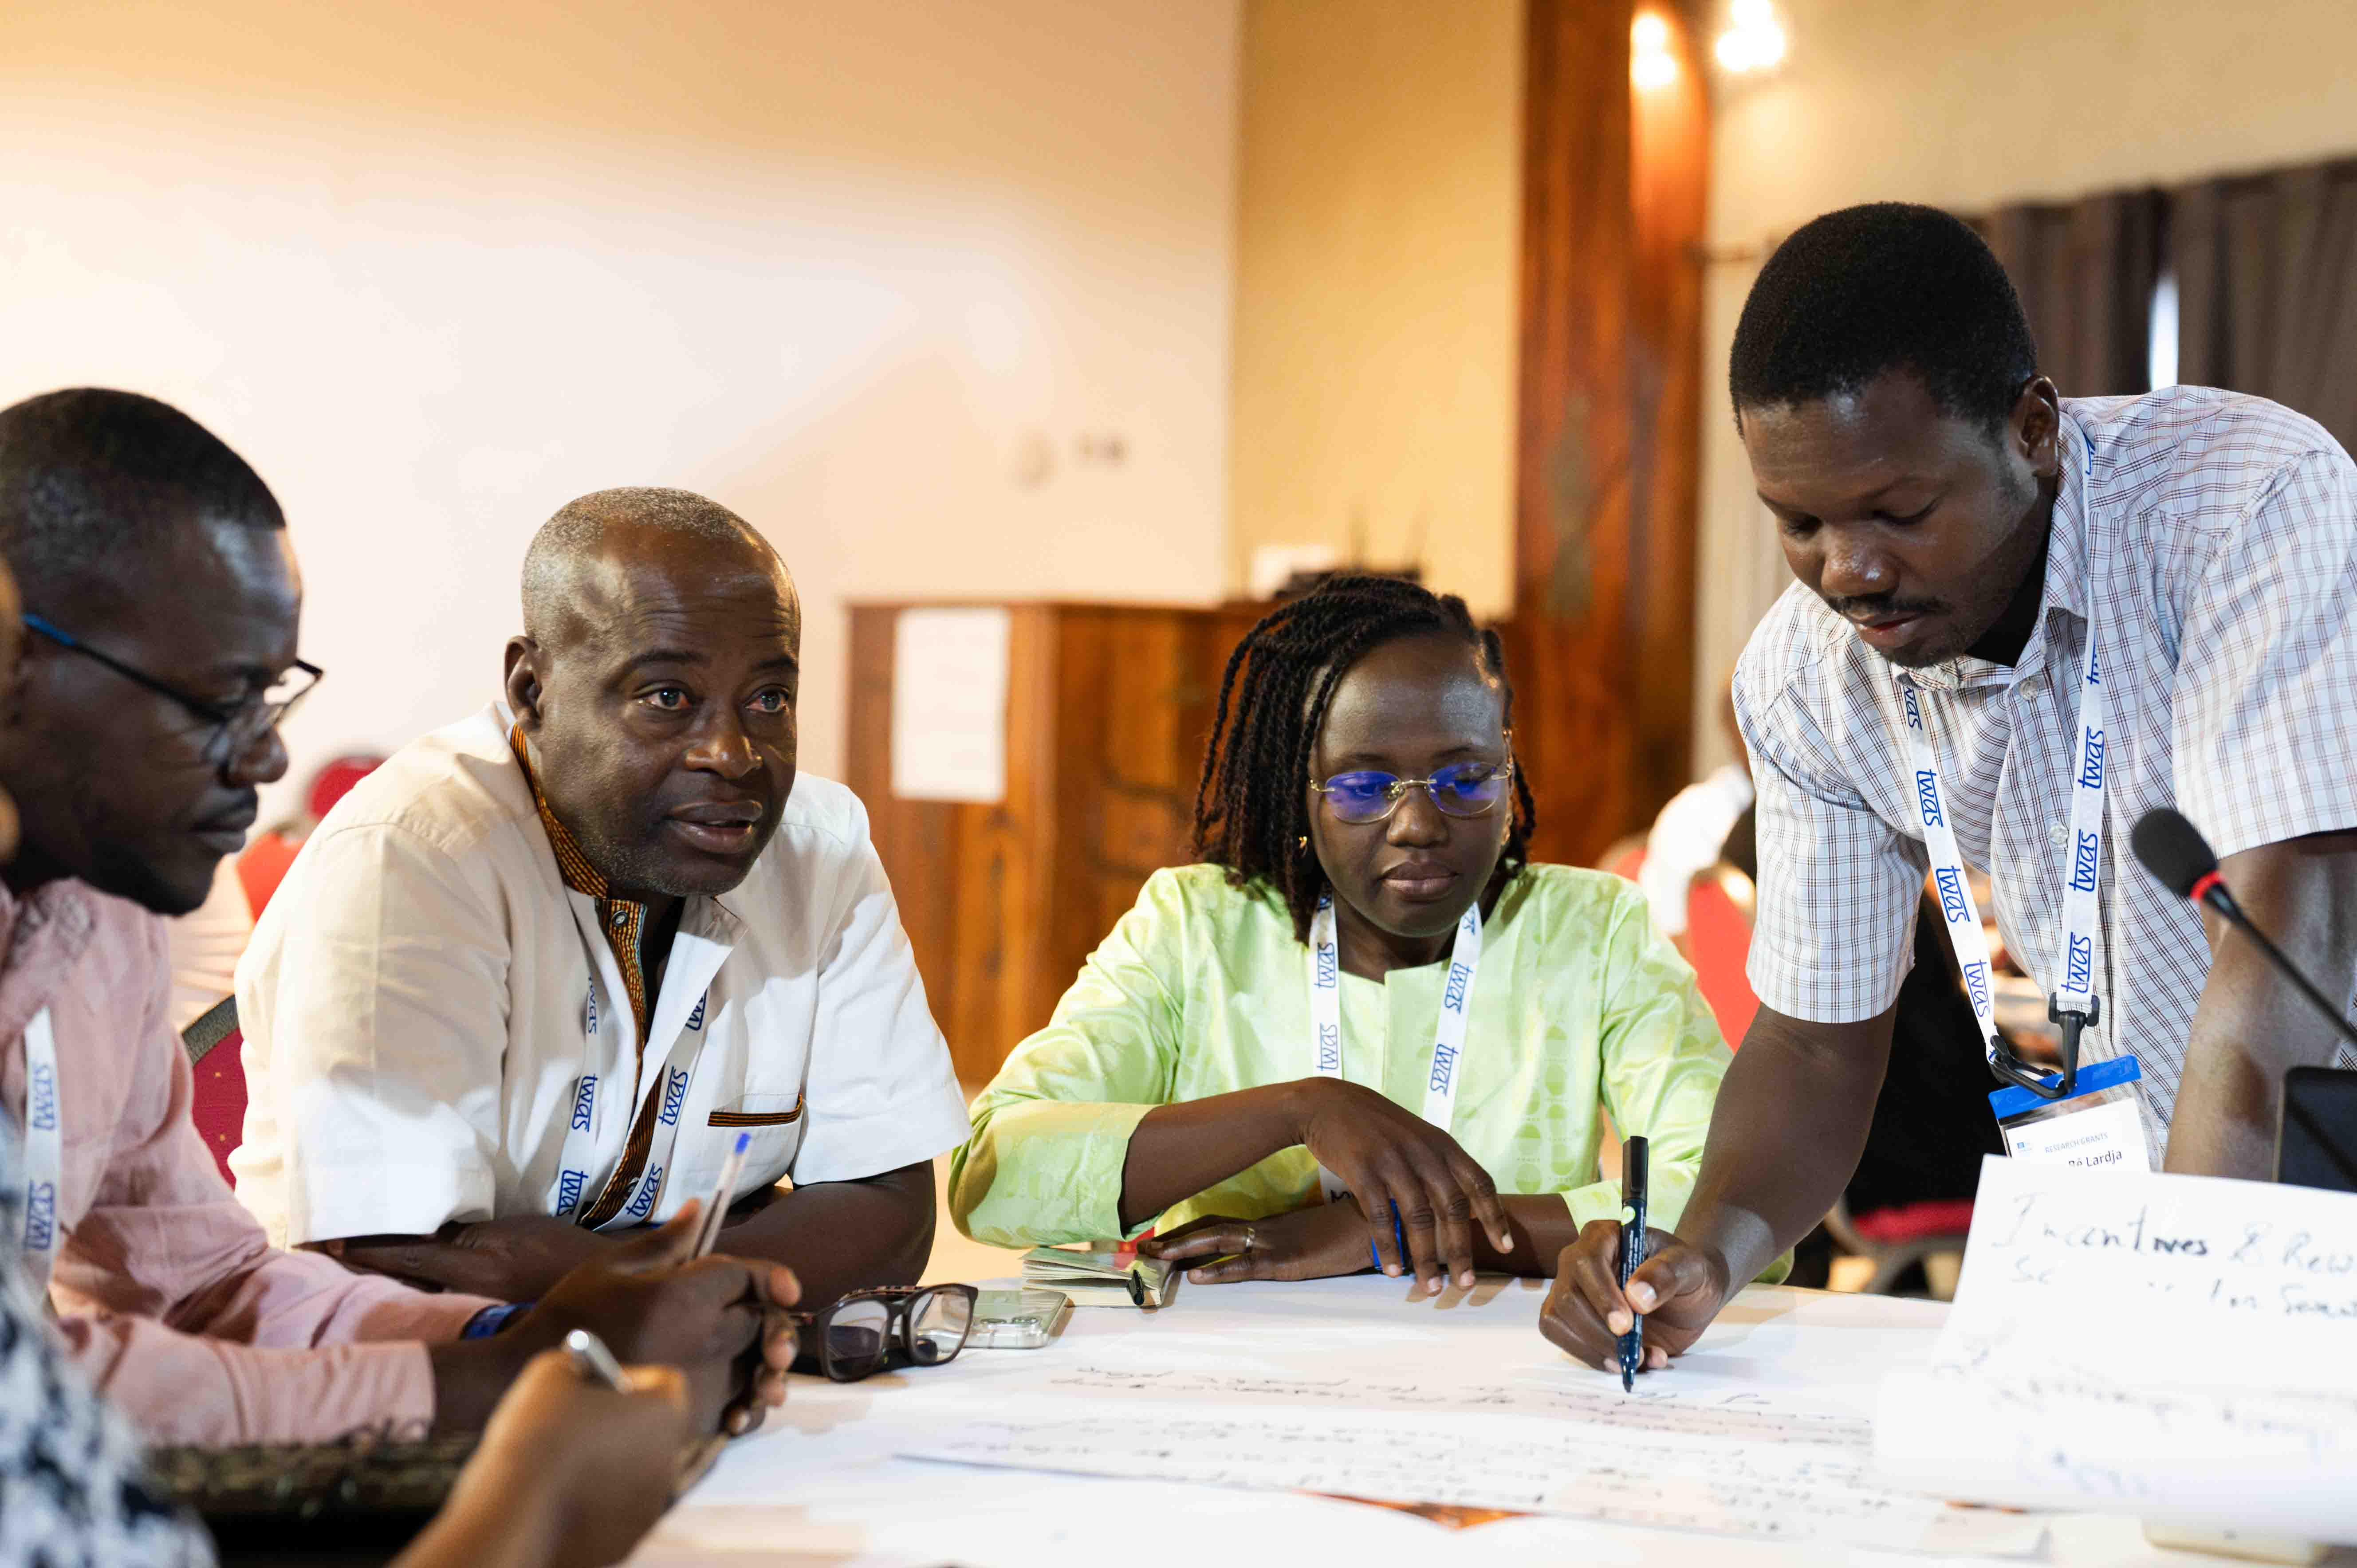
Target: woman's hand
(1394,1163)
(569,1473)
(1313,1243)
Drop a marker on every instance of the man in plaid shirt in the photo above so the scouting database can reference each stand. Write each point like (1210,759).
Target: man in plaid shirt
(1958,532)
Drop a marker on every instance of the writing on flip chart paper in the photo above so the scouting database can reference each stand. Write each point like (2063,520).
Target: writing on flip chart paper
(2180,1347)
(1721,1415)
(2236,1264)
(1763,1483)
(2065,1438)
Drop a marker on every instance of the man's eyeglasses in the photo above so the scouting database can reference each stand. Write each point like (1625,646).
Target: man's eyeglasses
(1460,789)
(242,723)
(869,1330)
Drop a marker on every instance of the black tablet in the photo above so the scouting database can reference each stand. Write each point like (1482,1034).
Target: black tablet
(2315,1142)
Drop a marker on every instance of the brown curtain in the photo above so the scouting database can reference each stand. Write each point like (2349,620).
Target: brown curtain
(2085,272)
(2266,282)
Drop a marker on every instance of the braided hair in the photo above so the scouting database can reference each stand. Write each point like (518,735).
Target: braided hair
(1252,805)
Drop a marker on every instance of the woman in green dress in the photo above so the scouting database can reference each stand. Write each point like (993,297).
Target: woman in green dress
(1365,1032)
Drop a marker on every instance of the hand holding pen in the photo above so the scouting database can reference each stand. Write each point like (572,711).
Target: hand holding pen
(661,1297)
(1617,1272)
(593,1362)
(578,1461)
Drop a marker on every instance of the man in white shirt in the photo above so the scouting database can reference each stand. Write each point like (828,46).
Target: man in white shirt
(526,984)
(2019,623)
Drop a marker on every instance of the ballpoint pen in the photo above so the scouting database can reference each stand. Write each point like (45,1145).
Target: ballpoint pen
(594,1361)
(716,1207)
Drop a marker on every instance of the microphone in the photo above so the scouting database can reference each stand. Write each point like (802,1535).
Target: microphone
(2181,860)
(2179,857)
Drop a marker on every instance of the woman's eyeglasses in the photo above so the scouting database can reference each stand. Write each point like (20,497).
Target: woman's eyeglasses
(869,1330)
(1460,789)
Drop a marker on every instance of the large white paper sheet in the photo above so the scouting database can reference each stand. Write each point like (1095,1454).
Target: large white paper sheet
(2183,1349)
(1730,1462)
(824,1477)
(948,704)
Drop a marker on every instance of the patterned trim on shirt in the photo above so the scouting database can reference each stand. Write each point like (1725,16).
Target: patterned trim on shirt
(622,920)
(623,923)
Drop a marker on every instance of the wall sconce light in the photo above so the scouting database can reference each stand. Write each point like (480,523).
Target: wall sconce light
(1650,63)
(1754,42)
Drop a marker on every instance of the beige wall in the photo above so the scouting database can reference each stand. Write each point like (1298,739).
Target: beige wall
(1969,104)
(435,268)
(1377,256)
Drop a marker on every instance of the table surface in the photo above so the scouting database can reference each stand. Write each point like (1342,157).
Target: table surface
(822,1485)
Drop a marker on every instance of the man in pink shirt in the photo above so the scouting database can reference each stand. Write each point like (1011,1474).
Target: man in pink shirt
(161,600)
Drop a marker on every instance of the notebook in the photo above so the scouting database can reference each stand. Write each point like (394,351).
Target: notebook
(1106,1274)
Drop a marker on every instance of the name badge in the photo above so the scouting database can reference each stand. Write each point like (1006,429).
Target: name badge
(2100,1127)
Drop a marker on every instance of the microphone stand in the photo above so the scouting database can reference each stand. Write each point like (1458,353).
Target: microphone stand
(2210,892)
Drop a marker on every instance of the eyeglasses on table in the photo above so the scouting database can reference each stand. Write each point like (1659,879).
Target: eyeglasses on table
(869,1330)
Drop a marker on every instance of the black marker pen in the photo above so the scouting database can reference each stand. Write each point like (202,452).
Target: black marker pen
(1632,1254)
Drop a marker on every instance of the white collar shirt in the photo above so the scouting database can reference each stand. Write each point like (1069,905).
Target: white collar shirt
(424,998)
(2213,537)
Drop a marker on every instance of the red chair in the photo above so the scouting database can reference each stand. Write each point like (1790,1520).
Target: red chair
(1718,940)
(262,867)
(1928,1235)
(215,1047)
(1718,945)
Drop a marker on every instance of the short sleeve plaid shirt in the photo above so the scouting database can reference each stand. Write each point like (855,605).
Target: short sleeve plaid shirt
(2213,539)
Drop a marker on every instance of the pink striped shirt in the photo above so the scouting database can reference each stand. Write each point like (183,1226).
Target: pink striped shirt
(166,1291)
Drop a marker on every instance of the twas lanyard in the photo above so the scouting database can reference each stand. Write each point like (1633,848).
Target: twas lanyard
(2073,1003)
(44,1160)
(1448,1035)
(586,1151)
(598,1133)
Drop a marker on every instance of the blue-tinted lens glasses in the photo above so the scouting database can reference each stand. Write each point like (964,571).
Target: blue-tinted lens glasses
(1460,789)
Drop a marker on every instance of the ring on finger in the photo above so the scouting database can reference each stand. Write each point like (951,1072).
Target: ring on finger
(1251,1237)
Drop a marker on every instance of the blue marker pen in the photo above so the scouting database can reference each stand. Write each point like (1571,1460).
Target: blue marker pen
(1632,1254)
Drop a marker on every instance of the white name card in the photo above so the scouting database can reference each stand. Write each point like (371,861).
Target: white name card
(2102,1138)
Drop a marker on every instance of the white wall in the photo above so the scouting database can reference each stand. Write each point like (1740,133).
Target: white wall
(1378,250)
(435,268)
(1969,104)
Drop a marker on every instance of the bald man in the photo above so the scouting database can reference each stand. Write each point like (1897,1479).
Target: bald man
(527,985)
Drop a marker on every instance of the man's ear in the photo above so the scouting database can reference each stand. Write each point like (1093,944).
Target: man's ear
(523,682)
(16,691)
(2037,427)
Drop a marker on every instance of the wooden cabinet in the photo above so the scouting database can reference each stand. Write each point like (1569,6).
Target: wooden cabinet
(1108,710)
